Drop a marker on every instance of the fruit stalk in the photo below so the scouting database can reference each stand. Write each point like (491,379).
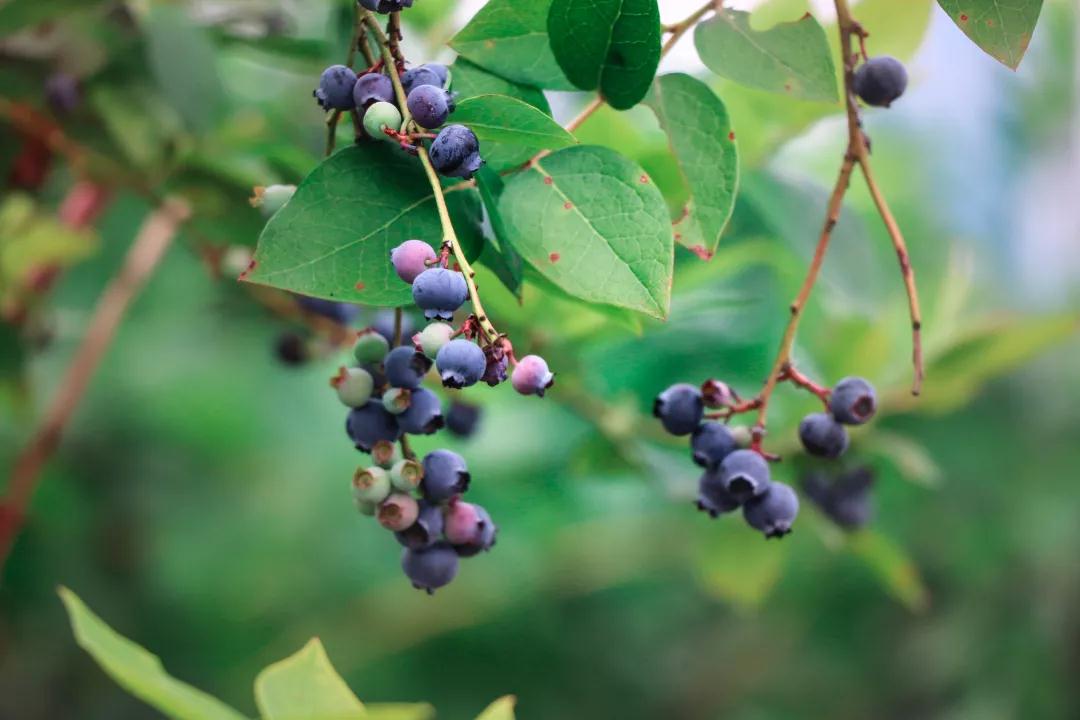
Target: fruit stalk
(391,66)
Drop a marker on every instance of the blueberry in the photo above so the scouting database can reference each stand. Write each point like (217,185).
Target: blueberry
(439,292)
(62,93)
(370,347)
(429,74)
(371,485)
(371,423)
(427,529)
(463,523)
(371,88)
(474,539)
(384,454)
(379,117)
(397,512)
(272,198)
(424,414)
(845,499)
(428,106)
(335,91)
(712,497)
(432,338)
(460,363)
(717,394)
(339,312)
(531,376)
(445,475)
(366,508)
(774,512)
(495,370)
(462,419)
(821,435)
(405,475)
(385,6)
(405,367)
(431,568)
(291,349)
(456,152)
(384,321)
(853,401)
(880,81)
(711,443)
(353,386)
(411,258)
(396,401)
(744,474)
(680,408)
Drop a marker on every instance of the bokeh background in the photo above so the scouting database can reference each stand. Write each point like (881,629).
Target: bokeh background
(200,502)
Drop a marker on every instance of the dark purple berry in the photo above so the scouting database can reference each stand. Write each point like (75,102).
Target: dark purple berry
(822,436)
(846,499)
(339,312)
(462,419)
(744,474)
(774,512)
(335,91)
(497,361)
(712,497)
(63,93)
(439,292)
(711,443)
(680,408)
(853,401)
(460,363)
(385,6)
(405,367)
(428,74)
(424,414)
(371,423)
(445,475)
(880,81)
(427,529)
(371,88)
(456,152)
(431,568)
(428,106)
(291,349)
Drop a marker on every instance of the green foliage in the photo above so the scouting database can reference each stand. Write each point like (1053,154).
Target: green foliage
(792,58)
(510,130)
(1002,29)
(612,46)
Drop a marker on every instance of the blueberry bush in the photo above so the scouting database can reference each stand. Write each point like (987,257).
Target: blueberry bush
(650,276)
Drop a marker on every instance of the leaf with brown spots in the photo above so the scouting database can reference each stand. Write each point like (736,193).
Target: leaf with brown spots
(1002,28)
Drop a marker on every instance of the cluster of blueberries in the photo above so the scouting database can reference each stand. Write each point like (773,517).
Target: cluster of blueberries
(738,476)
(455,151)
(880,81)
(844,497)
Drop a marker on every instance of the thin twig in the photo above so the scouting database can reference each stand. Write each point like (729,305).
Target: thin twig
(154,238)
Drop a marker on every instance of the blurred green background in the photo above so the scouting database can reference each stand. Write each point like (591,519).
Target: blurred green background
(200,503)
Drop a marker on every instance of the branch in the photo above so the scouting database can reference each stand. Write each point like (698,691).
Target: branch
(154,238)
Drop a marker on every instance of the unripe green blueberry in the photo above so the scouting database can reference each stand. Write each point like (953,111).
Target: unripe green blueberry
(364,507)
(353,386)
(743,435)
(406,475)
(398,512)
(432,338)
(371,484)
(271,198)
(385,454)
(370,347)
(397,400)
(379,116)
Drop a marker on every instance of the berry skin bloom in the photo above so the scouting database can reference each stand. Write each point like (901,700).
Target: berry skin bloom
(432,338)
(679,408)
(370,346)
(406,368)
(411,258)
(335,91)
(371,88)
(460,363)
(424,414)
(774,512)
(405,475)
(428,105)
(712,497)
(531,376)
(445,475)
(822,436)
(853,401)
(456,152)
(744,474)
(711,443)
(431,568)
(371,423)
(439,292)
(880,81)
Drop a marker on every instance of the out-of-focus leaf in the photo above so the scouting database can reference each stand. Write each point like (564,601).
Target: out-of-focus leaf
(139,672)
(144,136)
(1002,28)
(501,709)
(18,14)
(909,457)
(30,241)
(898,28)
(399,711)
(892,566)
(305,686)
(734,563)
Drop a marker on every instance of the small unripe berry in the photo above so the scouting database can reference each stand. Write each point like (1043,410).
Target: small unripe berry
(371,484)
(531,376)
(397,512)
(406,475)
(774,512)
(432,338)
(445,475)
(431,568)
(853,401)
(370,347)
(462,419)
(679,408)
(353,386)
(379,117)
(717,394)
(822,436)
(405,367)
(384,454)
(880,81)
(744,474)
(397,401)
(272,198)
(711,443)
(411,258)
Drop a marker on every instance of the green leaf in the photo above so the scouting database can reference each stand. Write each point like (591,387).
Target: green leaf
(499,255)
(791,58)
(509,38)
(305,686)
(333,238)
(30,240)
(139,672)
(610,45)
(399,711)
(1002,28)
(18,14)
(594,224)
(501,709)
(510,130)
(700,135)
(736,565)
(892,566)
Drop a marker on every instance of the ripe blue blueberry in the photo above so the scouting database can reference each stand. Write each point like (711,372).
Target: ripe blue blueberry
(846,499)
(335,91)
(378,118)
(428,74)
(272,198)
(371,88)
(339,312)
(711,443)
(531,376)
(428,105)
(432,338)
(385,6)
(369,424)
(427,529)
(370,346)
(482,537)
(462,419)
(456,152)
(431,568)
(353,385)
(424,414)
(853,401)
(680,408)
(411,258)
(712,497)
(774,512)
(397,512)
(744,474)
(291,349)
(460,363)
(880,81)
(822,436)
(384,322)
(445,475)
(405,367)
(439,292)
